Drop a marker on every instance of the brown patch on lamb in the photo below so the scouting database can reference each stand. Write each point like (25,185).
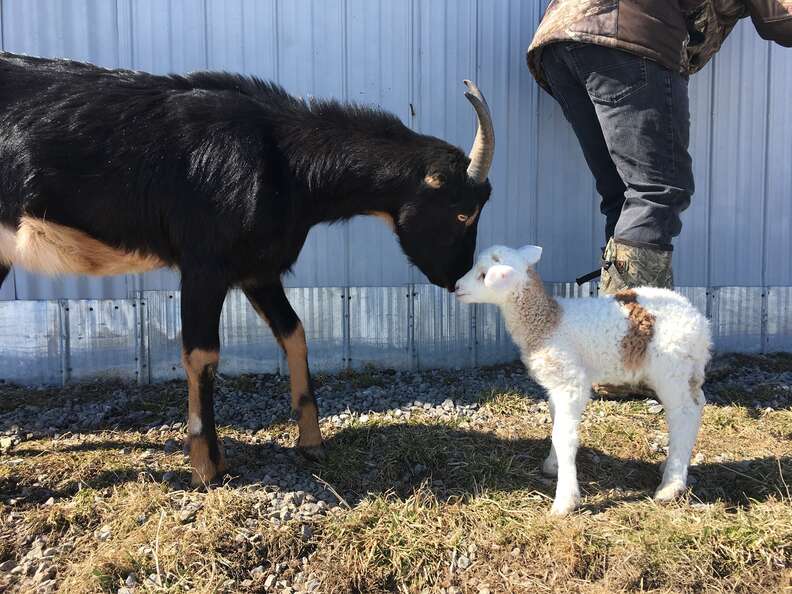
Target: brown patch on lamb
(537,314)
(639,332)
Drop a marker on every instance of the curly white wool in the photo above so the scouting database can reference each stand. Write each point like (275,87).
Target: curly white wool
(646,335)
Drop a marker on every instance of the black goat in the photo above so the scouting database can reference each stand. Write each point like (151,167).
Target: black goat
(222,176)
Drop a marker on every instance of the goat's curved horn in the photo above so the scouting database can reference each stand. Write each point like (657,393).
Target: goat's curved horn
(484,145)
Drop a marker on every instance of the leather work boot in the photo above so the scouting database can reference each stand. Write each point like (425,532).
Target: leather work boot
(626,266)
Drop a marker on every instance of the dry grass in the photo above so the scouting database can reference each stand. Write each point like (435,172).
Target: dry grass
(433,504)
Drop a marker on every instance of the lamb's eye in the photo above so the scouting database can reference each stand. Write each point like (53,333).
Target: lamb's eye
(462,218)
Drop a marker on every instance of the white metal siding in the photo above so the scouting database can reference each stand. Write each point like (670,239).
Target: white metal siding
(410,58)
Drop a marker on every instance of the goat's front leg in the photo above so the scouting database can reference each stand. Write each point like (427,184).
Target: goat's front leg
(201,305)
(271,303)
(568,404)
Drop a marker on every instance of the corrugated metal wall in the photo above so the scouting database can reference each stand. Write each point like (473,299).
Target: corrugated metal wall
(410,56)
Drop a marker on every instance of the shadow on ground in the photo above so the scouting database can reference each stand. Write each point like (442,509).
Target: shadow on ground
(398,458)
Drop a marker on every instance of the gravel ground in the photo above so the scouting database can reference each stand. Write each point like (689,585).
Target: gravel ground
(257,407)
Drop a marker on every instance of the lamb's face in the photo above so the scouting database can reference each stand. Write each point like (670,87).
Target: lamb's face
(497,273)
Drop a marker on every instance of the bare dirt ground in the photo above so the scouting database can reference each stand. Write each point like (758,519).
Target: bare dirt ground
(432,484)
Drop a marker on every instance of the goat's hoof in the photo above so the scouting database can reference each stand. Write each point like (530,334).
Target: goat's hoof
(564,507)
(550,468)
(207,474)
(316,453)
(670,491)
(205,470)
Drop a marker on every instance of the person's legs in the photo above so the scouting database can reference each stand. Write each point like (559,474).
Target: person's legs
(643,123)
(579,110)
(643,111)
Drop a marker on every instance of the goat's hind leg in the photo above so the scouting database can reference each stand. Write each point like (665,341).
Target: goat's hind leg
(683,400)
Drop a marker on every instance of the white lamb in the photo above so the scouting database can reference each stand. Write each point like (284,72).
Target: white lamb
(646,335)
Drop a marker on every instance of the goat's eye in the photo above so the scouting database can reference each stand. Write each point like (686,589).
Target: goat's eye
(462,218)
(480,276)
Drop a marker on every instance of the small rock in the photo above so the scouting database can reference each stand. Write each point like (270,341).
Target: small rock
(168,476)
(171,446)
(270,581)
(8,565)
(131,580)
(50,501)
(103,534)
(306,532)
(364,418)
(656,409)
(257,571)
(6,443)
(187,515)
(463,562)
(448,404)
(698,458)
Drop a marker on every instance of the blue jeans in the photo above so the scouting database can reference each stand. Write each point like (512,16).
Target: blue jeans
(631,117)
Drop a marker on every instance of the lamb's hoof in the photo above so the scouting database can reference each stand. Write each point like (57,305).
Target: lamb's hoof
(550,468)
(316,453)
(670,491)
(564,507)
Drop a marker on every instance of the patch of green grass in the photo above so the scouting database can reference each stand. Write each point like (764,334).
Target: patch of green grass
(504,403)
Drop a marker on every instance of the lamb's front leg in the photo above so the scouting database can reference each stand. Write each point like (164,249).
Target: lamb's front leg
(550,465)
(568,404)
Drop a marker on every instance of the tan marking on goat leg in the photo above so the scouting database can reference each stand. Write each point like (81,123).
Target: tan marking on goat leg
(303,403)
(50,248)
(640,330)
(206,451)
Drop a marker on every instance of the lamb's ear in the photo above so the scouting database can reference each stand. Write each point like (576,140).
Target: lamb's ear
(499,276)
(531,253)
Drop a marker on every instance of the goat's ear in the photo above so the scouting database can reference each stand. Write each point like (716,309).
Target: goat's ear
(499,276)
(531,253)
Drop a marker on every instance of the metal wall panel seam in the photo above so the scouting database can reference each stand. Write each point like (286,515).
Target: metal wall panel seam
(276,41)
(710,159)
(766,171)
(415,86)
(763,321)
(345,293)
(65,343)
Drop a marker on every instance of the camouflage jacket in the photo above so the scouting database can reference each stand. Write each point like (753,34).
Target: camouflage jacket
(680,34)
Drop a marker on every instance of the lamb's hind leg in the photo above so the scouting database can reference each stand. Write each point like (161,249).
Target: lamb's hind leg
(568,404)
(683,401)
